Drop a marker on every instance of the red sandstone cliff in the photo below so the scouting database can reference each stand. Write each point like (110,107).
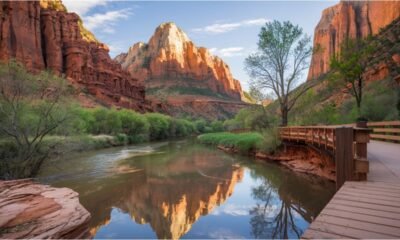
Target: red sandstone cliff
(42,35)
(170,60)
(348,19)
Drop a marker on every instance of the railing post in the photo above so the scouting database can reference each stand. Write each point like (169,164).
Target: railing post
(344,157)
(361,139)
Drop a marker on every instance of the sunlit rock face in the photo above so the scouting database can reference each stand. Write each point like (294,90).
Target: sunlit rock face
(43,35)
(181,78)
(348,19)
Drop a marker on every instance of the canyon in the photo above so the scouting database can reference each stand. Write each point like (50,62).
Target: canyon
(44,36)
(182,78)
(348,19)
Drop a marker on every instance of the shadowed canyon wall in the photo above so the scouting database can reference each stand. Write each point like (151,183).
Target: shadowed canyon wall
(43,35)
(348,19)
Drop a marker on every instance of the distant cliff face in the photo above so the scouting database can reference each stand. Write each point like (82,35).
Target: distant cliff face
(348,19)
(170,60)
(42,35)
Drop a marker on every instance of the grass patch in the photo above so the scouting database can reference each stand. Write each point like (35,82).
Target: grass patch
(244,142)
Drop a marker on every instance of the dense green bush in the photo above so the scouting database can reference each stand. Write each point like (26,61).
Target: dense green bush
(134,124)
(137,127)
(159,125)
(255,118)
(200,125)
(217,126)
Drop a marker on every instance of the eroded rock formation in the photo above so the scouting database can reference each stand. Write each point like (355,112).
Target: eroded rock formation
(42,35)
(31,210)
(348,19)
(178,75)
(170,59)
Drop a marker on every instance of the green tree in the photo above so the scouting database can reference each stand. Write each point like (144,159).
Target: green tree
(283,54)
(349,65)
(31,107)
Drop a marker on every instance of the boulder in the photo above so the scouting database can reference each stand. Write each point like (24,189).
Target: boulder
(33,210)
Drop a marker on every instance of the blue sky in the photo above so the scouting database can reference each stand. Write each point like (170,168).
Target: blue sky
(229,29)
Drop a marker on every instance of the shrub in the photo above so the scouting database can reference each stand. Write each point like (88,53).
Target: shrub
(159,126)
(83,120)
(200,125)
(217,126)
(122,138)
(271,140)
(231,124)
(134,125)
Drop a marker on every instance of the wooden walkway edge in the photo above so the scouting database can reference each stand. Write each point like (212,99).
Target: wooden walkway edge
(368,209)
(360,210)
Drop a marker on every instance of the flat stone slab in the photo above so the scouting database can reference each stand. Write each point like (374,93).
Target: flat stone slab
(33,210)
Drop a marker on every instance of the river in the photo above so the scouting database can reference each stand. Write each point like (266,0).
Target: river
(181,189)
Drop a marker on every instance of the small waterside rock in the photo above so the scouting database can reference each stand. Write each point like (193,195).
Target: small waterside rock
(33,210)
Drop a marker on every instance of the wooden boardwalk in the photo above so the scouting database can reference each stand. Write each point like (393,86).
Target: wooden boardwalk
(369,209)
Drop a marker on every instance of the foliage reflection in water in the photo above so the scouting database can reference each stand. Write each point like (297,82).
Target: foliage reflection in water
(185,190)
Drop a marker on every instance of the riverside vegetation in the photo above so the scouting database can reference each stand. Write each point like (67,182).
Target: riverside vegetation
(39,118)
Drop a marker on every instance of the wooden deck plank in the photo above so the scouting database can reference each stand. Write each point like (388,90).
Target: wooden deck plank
(366,211)
(369,200)
(372,227)
(360,189)
(366,205)
(346,232)
(376,189)
(362,217)
(360,210)
(315,234)
(380,184)
(349,192)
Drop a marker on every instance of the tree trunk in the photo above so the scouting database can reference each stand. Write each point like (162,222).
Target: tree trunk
(284,116)
(359,98)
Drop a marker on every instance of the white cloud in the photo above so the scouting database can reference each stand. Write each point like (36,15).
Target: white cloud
(227,27)
(106,21)
(227,52)
(81,7)
(97,21)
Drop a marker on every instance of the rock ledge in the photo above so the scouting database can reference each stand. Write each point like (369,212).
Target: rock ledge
(32,210)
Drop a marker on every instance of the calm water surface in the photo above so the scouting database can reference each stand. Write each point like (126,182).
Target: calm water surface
(185,190)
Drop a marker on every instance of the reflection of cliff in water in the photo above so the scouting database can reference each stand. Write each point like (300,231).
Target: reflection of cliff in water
(168,194)
(299,194)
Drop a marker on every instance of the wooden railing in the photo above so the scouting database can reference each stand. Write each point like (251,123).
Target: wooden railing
(385,131)
(347,144)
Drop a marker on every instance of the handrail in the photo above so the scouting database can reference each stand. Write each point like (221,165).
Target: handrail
(385,131)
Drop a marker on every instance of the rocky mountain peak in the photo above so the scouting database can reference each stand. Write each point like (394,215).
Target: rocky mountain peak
(171,59)
(170,38)
(171,64)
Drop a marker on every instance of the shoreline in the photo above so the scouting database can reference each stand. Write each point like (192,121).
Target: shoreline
(297,158)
